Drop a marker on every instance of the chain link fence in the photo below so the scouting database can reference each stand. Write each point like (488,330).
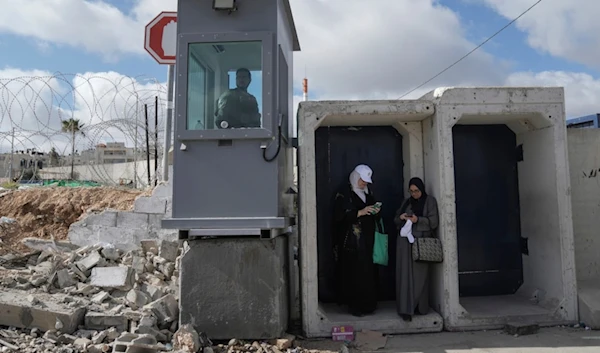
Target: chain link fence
(107,129)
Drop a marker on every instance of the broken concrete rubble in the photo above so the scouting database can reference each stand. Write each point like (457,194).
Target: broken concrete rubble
(186,339)
(97,298)
(102,321)
(119,277)
(84,298)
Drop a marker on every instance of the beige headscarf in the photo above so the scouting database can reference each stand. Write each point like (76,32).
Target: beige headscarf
(362,193)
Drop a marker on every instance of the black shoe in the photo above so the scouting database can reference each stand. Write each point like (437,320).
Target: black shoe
(407,318)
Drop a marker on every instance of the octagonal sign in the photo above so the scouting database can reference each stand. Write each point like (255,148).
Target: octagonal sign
(160,38)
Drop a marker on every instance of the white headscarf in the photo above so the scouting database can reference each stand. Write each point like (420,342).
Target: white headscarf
(362,193)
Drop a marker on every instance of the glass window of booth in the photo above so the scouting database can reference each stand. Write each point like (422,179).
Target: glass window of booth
(224,85)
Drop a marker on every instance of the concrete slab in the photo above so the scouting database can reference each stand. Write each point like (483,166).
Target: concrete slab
(584,167)
(585,193)
(168,250)
(547,340)
(150,205)
(235,287)
(163,190)
(132,220)
(384,320)
(106,218)
(16,310)
(122,238)
(521,328)
(120,277)
(589,303)
(104,321)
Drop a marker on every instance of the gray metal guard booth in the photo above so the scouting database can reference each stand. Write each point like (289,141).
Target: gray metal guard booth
(232,167)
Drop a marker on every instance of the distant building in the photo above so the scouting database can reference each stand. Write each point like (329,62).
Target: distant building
(22,160)
(107,153)
(588,121)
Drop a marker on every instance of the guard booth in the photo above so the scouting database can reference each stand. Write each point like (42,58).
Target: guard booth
(232,164)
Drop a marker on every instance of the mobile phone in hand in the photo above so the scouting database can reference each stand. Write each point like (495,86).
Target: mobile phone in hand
(377,205)
(409,214)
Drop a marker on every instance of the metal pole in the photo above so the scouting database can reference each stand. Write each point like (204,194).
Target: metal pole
(147,145)
(135,142)
(170,80)
(155,140)
(12,152)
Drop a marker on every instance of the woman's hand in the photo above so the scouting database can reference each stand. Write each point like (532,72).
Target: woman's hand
(403,217)
(413,219)
(366,211)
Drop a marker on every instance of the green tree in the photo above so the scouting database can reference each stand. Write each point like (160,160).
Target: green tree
(72,127)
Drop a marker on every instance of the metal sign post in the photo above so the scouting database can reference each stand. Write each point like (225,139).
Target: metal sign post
(160,41)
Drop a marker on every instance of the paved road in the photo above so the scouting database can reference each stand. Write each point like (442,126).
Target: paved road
(547,340)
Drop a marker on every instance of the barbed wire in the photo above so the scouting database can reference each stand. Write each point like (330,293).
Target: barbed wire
(111,138)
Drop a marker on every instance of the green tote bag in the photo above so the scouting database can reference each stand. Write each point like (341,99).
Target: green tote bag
(380,248)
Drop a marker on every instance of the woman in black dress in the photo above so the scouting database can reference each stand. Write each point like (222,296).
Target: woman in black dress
(355,219)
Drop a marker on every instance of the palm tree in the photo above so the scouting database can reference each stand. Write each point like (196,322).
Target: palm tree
(73,127)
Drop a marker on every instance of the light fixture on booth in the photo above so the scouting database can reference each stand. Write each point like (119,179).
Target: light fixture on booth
(227,5)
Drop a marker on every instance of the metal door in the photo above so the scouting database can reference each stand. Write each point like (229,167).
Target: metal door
(487,210)
(338,151)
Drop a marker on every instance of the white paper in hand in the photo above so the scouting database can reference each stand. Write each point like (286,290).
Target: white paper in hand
(406,231)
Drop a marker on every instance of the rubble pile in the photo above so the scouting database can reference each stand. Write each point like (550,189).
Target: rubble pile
(92,299)
(286,344)
(185,340)
(47,212)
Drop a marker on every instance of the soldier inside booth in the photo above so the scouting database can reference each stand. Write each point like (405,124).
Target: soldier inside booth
(224,85)
(236,108)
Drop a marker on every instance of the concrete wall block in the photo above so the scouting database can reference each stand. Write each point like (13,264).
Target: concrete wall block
(16,310)
(81,235)
(225,298)
(169,212)
(122,238)
(103,321)
(154,221)
(584,167)
(132,220)
(164,190)
(589,304)
(120,277)
(165,234)
(146,204)
(106,218)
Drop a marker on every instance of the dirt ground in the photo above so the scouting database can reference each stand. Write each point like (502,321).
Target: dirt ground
(47,212)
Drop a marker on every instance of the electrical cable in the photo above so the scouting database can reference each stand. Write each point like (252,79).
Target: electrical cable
(278,143)
(472,51)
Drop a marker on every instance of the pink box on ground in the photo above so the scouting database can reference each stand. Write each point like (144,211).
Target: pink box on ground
(342,333)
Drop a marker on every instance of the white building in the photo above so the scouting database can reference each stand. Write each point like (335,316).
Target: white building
(109,153)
